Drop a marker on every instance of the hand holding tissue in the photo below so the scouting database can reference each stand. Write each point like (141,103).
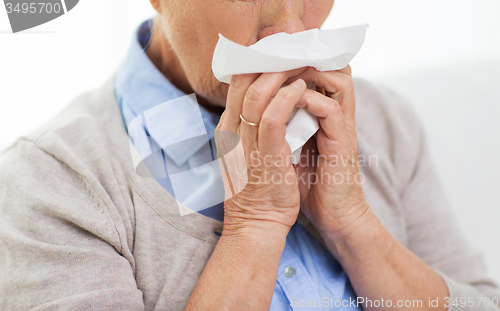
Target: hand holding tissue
(325,50)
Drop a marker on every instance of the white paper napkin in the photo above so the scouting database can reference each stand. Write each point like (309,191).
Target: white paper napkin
(324,50)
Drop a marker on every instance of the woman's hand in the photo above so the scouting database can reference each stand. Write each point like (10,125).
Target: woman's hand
(328,172)
(271,197)
(258,218)
(241,273)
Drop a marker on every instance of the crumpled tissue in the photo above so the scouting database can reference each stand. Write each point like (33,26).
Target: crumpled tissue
(325,50)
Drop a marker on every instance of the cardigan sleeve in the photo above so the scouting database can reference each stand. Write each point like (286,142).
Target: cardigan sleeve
(59,248)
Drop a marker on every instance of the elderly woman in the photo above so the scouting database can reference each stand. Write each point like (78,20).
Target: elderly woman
(82,230)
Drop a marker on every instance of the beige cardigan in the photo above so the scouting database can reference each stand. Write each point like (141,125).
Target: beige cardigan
(79,229)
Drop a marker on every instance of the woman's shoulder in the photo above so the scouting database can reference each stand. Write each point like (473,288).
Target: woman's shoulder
(65,167)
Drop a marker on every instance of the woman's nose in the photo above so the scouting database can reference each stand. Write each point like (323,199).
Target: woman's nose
(281,16)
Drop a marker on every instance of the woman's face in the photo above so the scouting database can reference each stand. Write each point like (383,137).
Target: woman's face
(191,28)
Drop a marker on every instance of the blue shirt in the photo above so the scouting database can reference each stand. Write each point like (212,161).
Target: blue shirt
(173,136)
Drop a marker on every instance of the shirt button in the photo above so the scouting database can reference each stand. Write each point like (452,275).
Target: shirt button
(289,272)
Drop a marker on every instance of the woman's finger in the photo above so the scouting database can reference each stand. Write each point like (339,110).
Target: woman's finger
(347,71)
(258,97)
(260,93)
(272,128)
(234,102)
(329,112)
(340,85)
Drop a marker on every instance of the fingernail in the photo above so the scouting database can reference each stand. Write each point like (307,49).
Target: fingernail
(298,84)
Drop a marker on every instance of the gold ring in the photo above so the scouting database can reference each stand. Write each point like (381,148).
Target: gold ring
(248,122)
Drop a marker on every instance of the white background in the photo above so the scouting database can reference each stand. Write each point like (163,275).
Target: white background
(442,55)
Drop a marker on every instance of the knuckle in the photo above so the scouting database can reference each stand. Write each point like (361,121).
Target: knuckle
(346,70)
(308,98)
(346,84)
(349,69)
(335,107)
(311,70)
(269,122)
(254,92)
(287,94)
(238,81)
(221,121)
(235,81)
(221,128)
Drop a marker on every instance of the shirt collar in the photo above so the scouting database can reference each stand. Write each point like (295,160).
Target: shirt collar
(140,86)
